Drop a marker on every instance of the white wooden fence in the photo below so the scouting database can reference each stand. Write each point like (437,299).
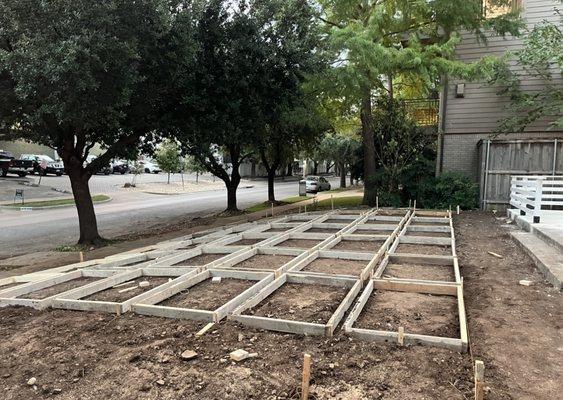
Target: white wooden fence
(533,193)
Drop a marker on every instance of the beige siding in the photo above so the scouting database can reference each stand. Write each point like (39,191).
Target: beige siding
(481,108)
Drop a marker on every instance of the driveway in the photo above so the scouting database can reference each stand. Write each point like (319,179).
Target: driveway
(24,232)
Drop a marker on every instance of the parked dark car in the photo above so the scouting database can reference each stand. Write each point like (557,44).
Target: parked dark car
(8,164)
(51,166)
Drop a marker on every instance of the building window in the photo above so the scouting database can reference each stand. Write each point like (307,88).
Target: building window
(496,8)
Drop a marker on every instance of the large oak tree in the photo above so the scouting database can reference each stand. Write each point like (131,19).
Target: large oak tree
(78,73)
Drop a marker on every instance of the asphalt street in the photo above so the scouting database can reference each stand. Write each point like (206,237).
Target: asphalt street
(40,230)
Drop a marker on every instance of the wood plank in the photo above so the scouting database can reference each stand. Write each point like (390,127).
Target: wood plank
(409,338)
(343,307)
(442,288)
(280,325)
(174,312)
(360,304)
(402,258)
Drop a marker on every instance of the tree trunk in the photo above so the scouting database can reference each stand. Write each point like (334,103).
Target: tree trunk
(351,179)
(168,178)
(253,170)
(315,167)
(290,169)
(86,215)
(366,117)
(271,177)
(232,187)
(342,169)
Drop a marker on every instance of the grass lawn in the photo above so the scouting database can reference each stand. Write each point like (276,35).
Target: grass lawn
(59,202)
(339,202)
(266,204)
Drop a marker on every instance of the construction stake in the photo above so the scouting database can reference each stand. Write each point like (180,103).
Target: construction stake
(479,380)
(306,377)
(331,202)
(401,336)
(205,329)
(272,208)
(377,202)
(81,256)
(458,210)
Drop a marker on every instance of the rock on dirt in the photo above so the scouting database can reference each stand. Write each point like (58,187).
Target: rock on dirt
(188,355)
(240,354)
(32,381)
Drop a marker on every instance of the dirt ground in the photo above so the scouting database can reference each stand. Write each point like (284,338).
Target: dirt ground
(200,260)
(58,288)
(208,295)
(358,245)
(336,266)
(516,330)
(308,303)
(113,294)
(322,230)
(429,234)
(424,314)
(299,243)
(415,271)
(264,261)
(245,242)
(360,231)
(424,249)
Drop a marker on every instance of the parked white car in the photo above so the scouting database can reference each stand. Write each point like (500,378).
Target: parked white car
(150,167)
(314,184)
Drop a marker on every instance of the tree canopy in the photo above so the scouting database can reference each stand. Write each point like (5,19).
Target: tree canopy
(76,73)
(374,43)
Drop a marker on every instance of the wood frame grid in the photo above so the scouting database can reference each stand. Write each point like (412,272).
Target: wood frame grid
(159,260)
(416,285)
(149,305)
(298,327)
(73,299)
(11,296)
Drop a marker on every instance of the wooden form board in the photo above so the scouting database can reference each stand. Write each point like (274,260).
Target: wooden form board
(72,300)
(149,305)
(457,344)
(12,296)
(416,286)
(298,327)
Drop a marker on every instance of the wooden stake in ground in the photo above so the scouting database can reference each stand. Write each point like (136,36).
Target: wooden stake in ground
(331,202)
(479,380)
(81,256)
(377,202)
(272,208)
(306,377)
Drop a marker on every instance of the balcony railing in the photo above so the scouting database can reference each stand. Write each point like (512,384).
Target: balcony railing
(423,111)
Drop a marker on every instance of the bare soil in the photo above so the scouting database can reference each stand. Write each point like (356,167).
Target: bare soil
(308,303)
(358,245)
(419,223)
(335,266)
(189,247)
(112,294)
(378,222)
(202,259)
(429,234)
(424,314)
(299,243)
(372,232)
(417,271)
(246,242)
(322,230)
(514,329)
(58,288)
(207,295)
(338,221)
(424,249)
(264,261)
(272,230)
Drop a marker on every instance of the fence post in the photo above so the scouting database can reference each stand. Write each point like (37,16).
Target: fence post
(537,200)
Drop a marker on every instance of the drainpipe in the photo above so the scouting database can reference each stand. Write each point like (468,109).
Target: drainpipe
(484,201)
(442,125)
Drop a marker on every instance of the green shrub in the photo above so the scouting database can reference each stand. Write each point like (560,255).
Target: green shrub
(449,189)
